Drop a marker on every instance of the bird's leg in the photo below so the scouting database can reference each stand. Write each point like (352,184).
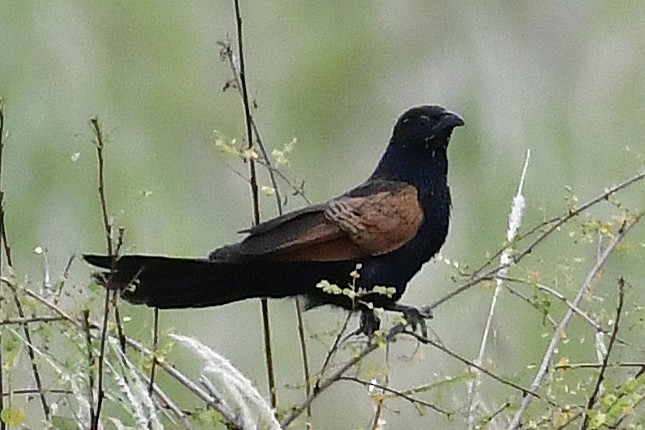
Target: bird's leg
(414,316)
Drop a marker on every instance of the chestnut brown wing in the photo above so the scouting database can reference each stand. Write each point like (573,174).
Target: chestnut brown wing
(373,222)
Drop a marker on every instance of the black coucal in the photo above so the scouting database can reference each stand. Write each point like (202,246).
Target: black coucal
(391,225)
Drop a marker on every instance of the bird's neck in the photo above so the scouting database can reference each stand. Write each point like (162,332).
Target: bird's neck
(427,172)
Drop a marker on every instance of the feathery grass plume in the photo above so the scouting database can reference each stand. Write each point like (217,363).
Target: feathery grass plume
(135,390)
(235,384)
(514,223)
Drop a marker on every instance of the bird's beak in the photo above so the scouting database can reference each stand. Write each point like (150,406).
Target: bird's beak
(449,120)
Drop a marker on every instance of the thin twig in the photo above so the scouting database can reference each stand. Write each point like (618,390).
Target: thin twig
(555,340)
(169,404)
(218,404)
(256,201)
(532,303)
(107,225)
(266,162)
(295,189)
(398,393)
(31,392)
(99,144)
(340,371)
(525,391)
(558,295)
(29,320)
(100,394)
(64,278)
(303,351)
(557,221)
(480,275)
(378,397)
(332,351)
(155,348)
(574,366)
(227,53)
(3,232)
(115,295)
(3,425)
(91,361)
(610,346)
(495,413)
(240,84)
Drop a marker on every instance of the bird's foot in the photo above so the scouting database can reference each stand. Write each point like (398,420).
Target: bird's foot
(415,317)
(369,323)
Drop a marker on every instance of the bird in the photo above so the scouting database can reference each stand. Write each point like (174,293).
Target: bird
(356,251)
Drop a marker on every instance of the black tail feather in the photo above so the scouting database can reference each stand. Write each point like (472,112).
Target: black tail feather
(166,282)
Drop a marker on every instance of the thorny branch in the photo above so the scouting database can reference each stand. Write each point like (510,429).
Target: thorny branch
(256,200)
(549,226)
(603,368)
(398,393)
(555,340)
(480,275)
(558,295)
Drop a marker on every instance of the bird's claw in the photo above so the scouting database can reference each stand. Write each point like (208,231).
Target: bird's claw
(416,317)
(416,321)
(369,323)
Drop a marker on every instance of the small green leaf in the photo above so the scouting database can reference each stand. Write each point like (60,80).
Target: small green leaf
(328,287)
(13,416)
(349,293)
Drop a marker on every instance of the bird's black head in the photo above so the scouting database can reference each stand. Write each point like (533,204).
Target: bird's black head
(425,128)
(418,144)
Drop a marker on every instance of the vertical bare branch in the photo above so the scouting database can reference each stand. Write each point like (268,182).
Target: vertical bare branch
(91,361)
(303,352)
(110,292)
(3,240)
(155,348)
(227,53)
(256,201)
(98,142)
(612,341)
(3,236)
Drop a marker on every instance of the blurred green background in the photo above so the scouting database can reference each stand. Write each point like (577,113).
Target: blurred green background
(565,79)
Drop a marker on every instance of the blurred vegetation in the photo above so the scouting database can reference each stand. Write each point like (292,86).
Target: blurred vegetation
(564,79)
